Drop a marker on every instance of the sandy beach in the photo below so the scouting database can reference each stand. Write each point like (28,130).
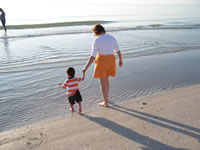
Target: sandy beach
(165,120)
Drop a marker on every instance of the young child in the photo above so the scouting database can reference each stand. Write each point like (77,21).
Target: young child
(72,88)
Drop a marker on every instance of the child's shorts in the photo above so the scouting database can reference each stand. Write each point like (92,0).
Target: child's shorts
(104,66)
(75,98)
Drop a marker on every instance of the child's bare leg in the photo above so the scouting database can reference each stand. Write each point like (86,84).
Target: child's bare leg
(71,108)
(79,107)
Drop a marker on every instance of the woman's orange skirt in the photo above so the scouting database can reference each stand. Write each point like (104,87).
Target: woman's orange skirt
(104,66)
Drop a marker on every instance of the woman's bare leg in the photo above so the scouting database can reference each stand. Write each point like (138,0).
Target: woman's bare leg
(104,86)
(108,86)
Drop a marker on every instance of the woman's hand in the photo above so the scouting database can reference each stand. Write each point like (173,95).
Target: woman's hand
(90,61)
(120,63)
(84,70)
(120,58)
(83,74)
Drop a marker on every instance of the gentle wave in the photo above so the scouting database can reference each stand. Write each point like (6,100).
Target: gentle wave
(57,24)
(36,31)
(158,27)
(31,66)
(22,67)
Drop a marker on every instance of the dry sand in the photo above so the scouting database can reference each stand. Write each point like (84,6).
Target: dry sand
(166,120)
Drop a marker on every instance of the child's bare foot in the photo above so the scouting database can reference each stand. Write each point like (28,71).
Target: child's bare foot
(79,107)
(103,104)
(81,113)
(72,110)
(80,110)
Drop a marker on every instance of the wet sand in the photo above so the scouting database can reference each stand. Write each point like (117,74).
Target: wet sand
(165,120)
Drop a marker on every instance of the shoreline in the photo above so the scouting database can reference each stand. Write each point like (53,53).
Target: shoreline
(164,120)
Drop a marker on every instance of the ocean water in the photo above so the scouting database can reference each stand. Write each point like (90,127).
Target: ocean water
(160,46)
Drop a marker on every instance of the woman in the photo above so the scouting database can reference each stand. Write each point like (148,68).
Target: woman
(102,54)
(3,19)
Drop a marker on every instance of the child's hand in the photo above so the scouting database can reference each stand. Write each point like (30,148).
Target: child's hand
(61,85)
(120,63)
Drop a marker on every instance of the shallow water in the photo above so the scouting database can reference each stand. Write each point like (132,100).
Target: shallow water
(31,68)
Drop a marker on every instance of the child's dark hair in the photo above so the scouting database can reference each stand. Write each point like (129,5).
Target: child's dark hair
(70,71)
(98,29)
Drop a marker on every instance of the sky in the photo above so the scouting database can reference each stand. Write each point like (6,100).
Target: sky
(20,3)
(37,9)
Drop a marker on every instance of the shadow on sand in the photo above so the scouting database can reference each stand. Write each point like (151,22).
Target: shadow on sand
(148,143)
(159,121)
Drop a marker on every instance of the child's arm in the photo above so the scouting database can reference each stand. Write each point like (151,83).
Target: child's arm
(61,85)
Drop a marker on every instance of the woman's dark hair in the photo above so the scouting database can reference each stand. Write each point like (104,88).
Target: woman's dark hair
(70,71)
(98,29)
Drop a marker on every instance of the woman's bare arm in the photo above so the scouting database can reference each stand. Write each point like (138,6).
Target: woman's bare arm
(90,61)
(120,58)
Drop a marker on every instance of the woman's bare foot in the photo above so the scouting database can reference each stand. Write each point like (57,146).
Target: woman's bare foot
(103,104)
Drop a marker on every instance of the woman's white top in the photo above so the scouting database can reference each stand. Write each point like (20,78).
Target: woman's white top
(104,44)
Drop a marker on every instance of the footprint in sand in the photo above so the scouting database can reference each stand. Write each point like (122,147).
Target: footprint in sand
(35,140)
